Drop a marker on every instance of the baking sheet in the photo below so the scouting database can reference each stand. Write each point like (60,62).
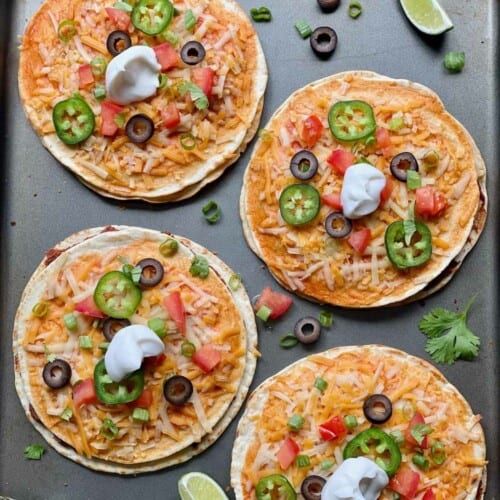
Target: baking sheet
(42,203)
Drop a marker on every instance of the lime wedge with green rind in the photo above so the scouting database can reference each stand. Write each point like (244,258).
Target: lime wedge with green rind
(427,16)
(199,486)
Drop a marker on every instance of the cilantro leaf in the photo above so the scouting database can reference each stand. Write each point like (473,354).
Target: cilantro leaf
(34,452)
(197,95)
(449,336)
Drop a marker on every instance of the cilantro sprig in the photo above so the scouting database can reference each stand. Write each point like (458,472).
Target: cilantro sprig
(449,337)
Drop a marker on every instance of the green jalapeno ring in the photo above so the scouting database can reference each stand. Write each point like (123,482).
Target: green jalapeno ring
(110,392)
(152,16)
(299,204)
(74,120)
(275,483)
(351,120)
(414,254)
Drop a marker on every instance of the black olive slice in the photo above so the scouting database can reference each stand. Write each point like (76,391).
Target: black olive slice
(304,165)
(177,390)
(323,41)
(56,374)
(312,486)
(328,5)
(401,163)
(192,52)
(139,128)
(377,408)
(337,225)
(112,325)
(307,330)
(117,42)
(151,272)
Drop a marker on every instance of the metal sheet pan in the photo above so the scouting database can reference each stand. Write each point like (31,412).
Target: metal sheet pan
(42,203)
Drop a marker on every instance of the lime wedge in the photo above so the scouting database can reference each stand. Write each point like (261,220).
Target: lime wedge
(427,16)
(199,486)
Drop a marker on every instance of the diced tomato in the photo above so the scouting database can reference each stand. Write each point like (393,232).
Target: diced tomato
(405,482)
(85,76)
(360,239)
(429,201)
(170,115)
(332,200)
(143,401)
(276,301)
(416,420)
(340,160)
(312,128)
(84,393)
(385,194)
(119,18)
(204,78)
(429,495)
(207,357)
(383,138)
(167,56)
(87,306)
(287,453)
(175,308)
(153,362)
(109,110)
(333,429)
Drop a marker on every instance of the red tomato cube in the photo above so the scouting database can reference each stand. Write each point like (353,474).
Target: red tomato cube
(207,357)
(360,239)
(405,482)
(287,453)
(277,302)
(311,130)
(175,308)
(84,393)
(167,56)
(340,160)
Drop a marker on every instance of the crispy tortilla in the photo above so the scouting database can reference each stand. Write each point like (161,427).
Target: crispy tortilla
(161,170)
(216,314)
(353,373)
(304,259)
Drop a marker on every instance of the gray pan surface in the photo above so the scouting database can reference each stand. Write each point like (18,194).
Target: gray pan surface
(42,203)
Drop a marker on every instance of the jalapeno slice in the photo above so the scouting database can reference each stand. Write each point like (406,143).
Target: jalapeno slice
(275,486)
(351,120)
(112,393)
(152,16)
(378,444)
(403,253)
(116,295)
(74,120)
(299,204)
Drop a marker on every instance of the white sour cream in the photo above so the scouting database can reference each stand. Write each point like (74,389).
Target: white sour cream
(361,190)
(128,348)
(132,75)
(356,479)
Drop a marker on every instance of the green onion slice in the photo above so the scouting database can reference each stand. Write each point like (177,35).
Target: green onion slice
(98,65)
(321,384)
(350,421)
(187,141)
(438,452)
(420,461)
(99,92)
(159,326)
(40,309)
(109,429)
(140,415)
(296,422)
(199,97)
(66,414)
(235,282)
(103,346)
(413,180)
(265,135)
(48,355)
(325,318)
(70,322)
(199,267)
(260,14)
(171,37)
(398,436)
(120,119)
(123,6)
(396,124)
(355,9)
(66,30)
(303,28)
(326,464)
(454,61)
(85,342)
(288,341)
(163,80)
(211,212)
(189,20)
(303,460)
(263,313)
(188,349)
(169,247)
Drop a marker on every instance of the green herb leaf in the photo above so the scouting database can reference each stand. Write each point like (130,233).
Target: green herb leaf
(197,95)
(199,267)
(34,452)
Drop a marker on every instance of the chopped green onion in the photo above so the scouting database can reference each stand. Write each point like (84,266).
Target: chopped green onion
(40,309)
(99,92)
(398,436)
(199,267)
(263,313)
(50,356)
(132,272)
(420,461)
(396,124)
(265,135)
(98,66)
(109,429)
(66,414)
(419,431)
(188,349)
(454,61)
(326,464)
(211,212)
(413,180)
(163,79)
(288,341)
(321,384)
(187,141)
(438,452)
(355,9)
(370,140)
(103,346)
(260,14)
(303,460)
(120,119)
(171,37)
(169,247)
(34,452)
(325,318)
(303,28)
(70,322)
(189,20)
(159,326)
(140,415)
(123,6)
(295,422)
(85,342)
(235,282)
(350,421)
(66,30)
(430,159)
(199,97)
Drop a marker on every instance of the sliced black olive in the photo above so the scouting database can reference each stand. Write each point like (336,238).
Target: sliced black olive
(401,163)
(312,486)
(337,225)
(112,325)
(117,42)
(56,374)
(328,5)
(192,52)
(307,330)
(139,128)
(177,390)
(377,408)
(151,272)
(304,165)
(323,41)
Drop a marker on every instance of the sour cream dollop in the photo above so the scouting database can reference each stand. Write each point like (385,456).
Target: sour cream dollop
(128,348)
(132,75)
(356,479)
(361,190)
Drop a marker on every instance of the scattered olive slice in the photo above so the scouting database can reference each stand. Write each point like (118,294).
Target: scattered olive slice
(139,128)
(117,42)
(337,225)
(177,390)
(304,165)
(377,408)
(328,5)
(311,487)
(151,272)
(307,330)
(401,163)
(56,374)
(112,325)
(192,52)
(323,41)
